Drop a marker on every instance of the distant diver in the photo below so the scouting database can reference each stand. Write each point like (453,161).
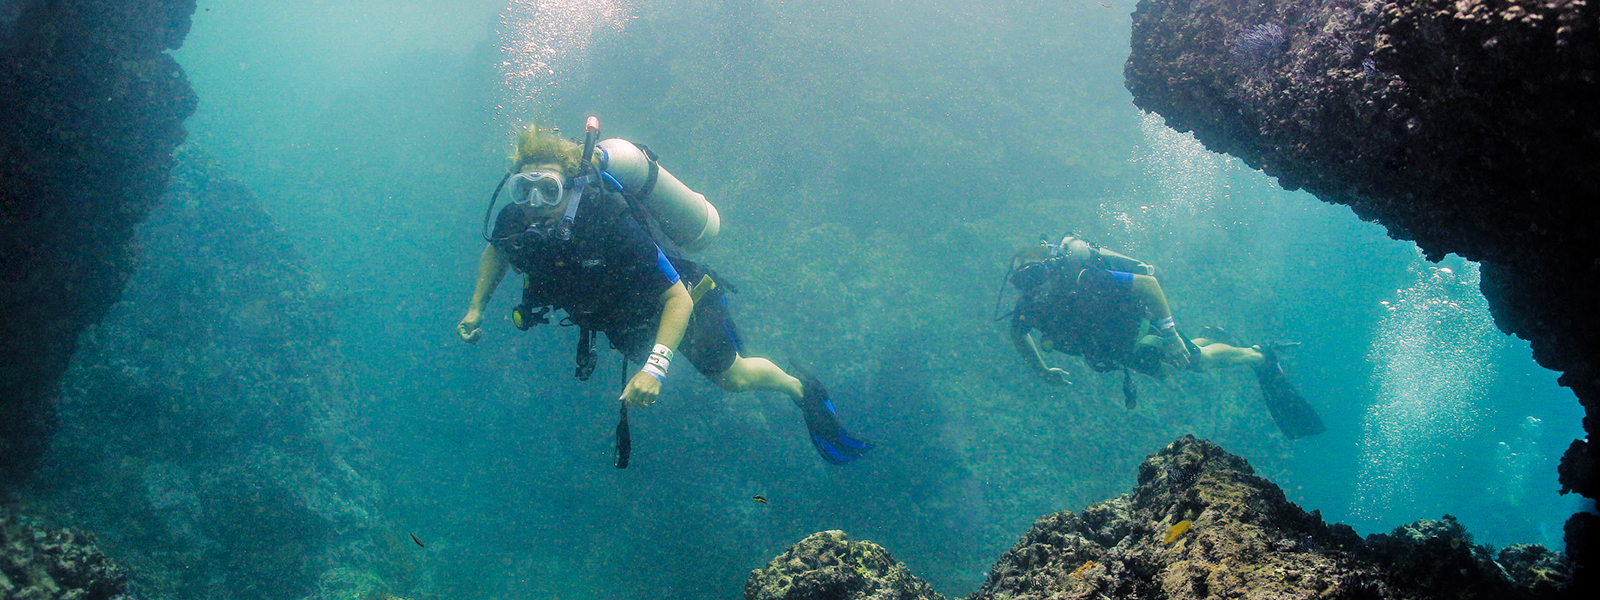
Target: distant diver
(1109,309)
(579,228)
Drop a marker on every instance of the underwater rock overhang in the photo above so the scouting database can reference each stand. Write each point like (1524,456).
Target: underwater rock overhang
(1467,126)
(91,108)
(1199,524)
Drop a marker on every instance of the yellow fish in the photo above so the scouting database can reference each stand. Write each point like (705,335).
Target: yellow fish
(1177,531)
(760,498)
(1078,574)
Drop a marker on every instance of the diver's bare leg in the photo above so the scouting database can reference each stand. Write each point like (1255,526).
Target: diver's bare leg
(1218,354)
(758,374)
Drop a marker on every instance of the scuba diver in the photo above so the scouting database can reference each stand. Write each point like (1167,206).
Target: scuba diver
(579,228)
(1110,310)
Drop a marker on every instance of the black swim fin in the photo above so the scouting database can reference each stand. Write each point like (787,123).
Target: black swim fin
(835,444)
(1295,417)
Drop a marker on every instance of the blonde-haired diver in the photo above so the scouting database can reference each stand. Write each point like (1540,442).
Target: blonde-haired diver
(573,229)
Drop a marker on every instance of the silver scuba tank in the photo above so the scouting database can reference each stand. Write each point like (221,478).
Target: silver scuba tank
(685,216)
(1083,252)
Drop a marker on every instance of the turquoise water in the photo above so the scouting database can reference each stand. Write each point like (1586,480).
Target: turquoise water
(874,163)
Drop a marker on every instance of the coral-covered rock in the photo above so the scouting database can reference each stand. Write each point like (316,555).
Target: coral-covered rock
(1468,126)
(91,108)
(1200,524)
(203,418)
(831,566)
(40,563)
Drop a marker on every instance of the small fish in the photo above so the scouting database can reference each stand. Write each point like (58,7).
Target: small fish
(759,498)
(1078,573)
(414,539)
(1105,5)
(1177,531)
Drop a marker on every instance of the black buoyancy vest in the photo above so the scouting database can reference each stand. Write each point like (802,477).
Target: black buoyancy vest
(576,276)
(1083,312)
(559,272)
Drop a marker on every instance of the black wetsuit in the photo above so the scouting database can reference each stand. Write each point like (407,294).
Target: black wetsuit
(609,278)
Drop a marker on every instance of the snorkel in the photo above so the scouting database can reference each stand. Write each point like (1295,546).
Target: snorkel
(586,172)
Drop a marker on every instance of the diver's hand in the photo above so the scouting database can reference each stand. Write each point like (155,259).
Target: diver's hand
(642,390)
(1055,376)
(468,328)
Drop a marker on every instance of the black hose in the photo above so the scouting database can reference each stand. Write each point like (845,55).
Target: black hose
(488,212)
(624,438)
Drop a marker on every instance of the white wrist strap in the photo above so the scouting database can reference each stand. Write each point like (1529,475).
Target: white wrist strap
(656,365)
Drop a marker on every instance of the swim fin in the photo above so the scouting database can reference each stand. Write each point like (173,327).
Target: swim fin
(1295,417)
(835,444)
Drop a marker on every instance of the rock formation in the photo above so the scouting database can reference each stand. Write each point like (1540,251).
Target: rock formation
(831,565)
(43,563)
(203,421)
(91,108)
(1467,126)
(1199,524)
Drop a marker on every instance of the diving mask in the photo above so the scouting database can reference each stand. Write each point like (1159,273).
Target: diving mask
(1031,275)
(538,188)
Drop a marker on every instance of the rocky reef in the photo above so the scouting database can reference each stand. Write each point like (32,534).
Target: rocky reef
(1199,524)
(831,565)
(91,108)
(43,563)
(1467,126)
(205,419)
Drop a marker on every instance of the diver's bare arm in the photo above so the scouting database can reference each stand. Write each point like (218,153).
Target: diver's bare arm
(491,269)
(676,306)
(1148,288)
(1022,340)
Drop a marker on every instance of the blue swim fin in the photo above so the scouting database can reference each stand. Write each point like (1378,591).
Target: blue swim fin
(832,442)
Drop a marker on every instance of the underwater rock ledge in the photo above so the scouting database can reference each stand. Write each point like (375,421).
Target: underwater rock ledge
(831,565)
(38,562)
(205,419)
(1467,126)
(91,107)
(1199,524)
